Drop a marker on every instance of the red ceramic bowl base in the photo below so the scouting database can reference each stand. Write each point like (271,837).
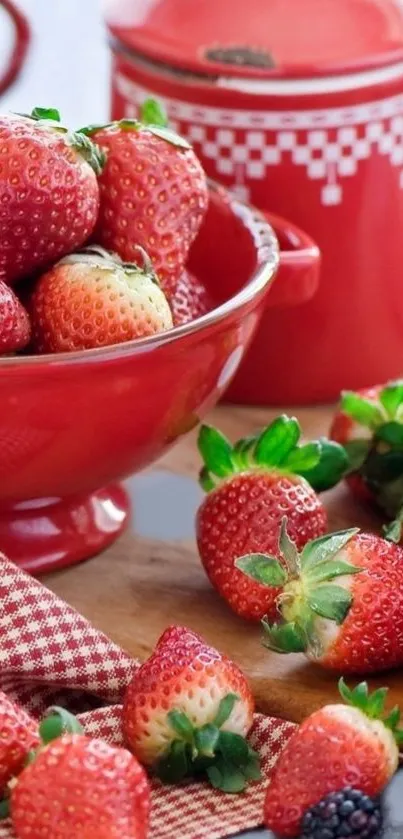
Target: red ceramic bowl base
(52,533)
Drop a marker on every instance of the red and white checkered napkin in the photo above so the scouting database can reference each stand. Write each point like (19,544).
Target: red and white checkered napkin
(49,654)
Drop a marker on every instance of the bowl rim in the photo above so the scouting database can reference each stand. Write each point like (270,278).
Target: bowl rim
(268,256)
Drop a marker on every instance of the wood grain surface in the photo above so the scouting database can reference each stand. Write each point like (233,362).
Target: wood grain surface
(152,576)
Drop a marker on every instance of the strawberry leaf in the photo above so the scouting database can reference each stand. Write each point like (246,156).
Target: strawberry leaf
(391,433)
(325,547)
(170,136)
(357,451)
(263,569)
(226,777)
(46,113)
(225,709)
(329,570)
(289,551)
(181,725)
(332,466)
(285,638)
(277,441)
(206,739)
(216,451)
(242,451)
(233,748)
(330,601)
(58,722)
(205,480)
(393,718)
(174,766)
(153,113)
(393,531)
(391,397)
(376,703)
(302,458)
(362,410)
(358,697)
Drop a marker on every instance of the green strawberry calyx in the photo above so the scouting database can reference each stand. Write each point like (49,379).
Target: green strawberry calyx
(382,415)
(309,590)
(54,724)
(50,118)
(322,463)
(373,706)
(223,756)
(152,117)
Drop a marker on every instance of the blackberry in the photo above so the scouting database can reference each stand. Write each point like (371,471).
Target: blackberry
(347,813)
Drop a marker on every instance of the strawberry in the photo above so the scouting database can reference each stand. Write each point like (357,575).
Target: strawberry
(190,300)
(92,299)
(83,788)
(250,487)
(19,734)
(341,602)
(188,710)
(153,193)
(15,327)
(369,424)
(49,195)
(339,745)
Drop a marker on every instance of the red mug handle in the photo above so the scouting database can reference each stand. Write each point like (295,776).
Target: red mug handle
(22,35)
(298,275)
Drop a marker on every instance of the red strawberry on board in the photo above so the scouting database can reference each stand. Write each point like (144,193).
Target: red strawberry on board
(49,196)
(341,602)
(153,193)
(355,744)
(188,710)
(78,787)
(190,300)
(92,299)
(15,327)
(19,734)
(369,424)
(250,487)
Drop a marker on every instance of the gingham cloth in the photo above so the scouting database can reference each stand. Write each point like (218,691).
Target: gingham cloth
(49,654)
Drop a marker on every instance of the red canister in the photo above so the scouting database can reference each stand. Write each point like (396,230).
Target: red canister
(298,106)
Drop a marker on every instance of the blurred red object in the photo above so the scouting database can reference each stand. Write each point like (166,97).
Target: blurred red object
(22,37)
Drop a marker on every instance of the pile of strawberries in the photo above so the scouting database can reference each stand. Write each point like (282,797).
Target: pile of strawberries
(263,538)
(187,713)
(95,228)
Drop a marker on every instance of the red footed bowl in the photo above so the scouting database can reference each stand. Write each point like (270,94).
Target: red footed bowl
(73,424)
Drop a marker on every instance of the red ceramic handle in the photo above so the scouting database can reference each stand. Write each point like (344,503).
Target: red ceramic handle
(21,43)
(298,275)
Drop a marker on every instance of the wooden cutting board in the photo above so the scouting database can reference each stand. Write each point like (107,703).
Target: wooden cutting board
(152,576)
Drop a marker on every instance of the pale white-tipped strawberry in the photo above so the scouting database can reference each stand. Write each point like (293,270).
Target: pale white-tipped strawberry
(353,745)
(92,299)
(188,710)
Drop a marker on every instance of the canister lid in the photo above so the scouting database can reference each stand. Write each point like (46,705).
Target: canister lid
(262,38)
